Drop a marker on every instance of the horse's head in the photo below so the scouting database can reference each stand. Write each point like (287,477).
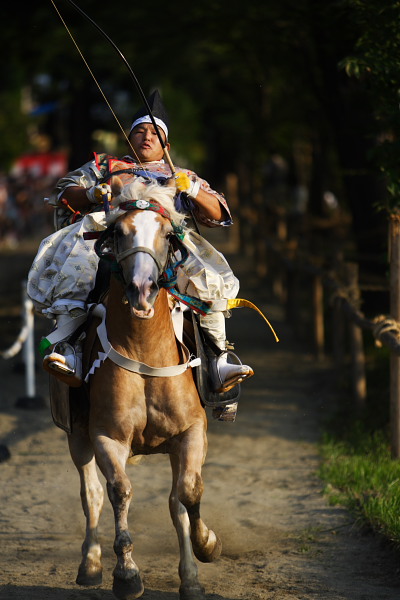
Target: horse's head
(142,241)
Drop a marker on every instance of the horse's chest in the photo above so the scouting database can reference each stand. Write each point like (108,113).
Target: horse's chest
(161,422)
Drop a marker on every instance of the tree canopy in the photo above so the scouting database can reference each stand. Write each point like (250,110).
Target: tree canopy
(241,80)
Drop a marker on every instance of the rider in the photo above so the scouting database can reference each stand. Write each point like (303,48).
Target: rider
(64,270)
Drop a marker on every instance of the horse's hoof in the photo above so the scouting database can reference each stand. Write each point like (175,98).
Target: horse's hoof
(88,577)
(128,589)
(211,550)
(196,592)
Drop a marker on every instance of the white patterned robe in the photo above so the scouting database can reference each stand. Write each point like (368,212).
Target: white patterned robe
(64,270)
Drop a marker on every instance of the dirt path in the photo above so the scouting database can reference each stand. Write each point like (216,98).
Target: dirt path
(281,541)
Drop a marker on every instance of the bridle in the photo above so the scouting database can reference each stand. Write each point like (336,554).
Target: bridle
(105,250)
(167,271)
(100,310)
(119,256)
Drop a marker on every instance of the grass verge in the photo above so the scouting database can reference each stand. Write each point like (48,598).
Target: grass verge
(357,466)
(361,475)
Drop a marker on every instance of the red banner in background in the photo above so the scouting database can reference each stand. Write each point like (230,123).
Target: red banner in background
(50,164)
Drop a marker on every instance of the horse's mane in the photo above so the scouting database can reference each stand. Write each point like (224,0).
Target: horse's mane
(139,189)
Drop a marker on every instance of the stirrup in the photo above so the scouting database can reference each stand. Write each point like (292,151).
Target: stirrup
(226,413)
(218,384)
(65,363)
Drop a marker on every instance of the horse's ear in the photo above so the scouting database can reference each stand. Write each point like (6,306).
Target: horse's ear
(116,185)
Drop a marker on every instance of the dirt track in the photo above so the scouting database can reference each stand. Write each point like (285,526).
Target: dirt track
(281,541)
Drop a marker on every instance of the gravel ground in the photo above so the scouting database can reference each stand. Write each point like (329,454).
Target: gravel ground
(281,540)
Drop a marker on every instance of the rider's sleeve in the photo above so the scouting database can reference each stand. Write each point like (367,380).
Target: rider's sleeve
(86,176)
(226,217)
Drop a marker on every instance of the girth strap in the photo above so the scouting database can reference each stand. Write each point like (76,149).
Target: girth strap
(128,363)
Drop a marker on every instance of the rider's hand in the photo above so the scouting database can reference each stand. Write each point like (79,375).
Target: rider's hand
(183,183)
(98,193)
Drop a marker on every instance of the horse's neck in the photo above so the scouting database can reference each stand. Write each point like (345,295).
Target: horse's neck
(141,339)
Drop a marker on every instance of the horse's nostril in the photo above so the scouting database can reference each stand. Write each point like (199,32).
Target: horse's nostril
(132,294)
(154,288)
(142,296)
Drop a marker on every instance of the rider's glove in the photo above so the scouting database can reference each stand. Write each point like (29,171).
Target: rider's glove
(98,193)
(183,183)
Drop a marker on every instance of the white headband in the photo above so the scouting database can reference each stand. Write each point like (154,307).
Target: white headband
(147,119)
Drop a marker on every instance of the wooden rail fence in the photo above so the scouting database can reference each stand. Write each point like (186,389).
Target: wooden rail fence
(336,294)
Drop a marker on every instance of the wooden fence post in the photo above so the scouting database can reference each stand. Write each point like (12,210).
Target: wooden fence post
(356,341)
(395,313)
(338,323)
(338,337)
(292,297)
(318,316)
(280,275)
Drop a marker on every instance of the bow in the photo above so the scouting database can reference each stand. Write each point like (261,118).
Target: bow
(138,86)
(132,74)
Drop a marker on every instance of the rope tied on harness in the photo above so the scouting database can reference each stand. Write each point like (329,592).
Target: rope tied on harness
(168,280)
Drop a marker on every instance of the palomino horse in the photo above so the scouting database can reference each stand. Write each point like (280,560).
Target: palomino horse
(136,413)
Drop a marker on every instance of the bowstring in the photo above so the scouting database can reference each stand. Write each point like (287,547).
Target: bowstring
(166,153)
(99,88)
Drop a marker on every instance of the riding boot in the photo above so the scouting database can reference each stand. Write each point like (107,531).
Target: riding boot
(65,359)
(226,369)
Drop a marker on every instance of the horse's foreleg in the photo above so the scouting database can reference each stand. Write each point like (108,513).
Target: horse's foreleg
(92,494)
(185,500)
(190,588)
(206,544)
(111,457)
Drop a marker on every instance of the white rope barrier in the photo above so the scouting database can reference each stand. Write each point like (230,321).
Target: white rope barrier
(25,342)
(17,345)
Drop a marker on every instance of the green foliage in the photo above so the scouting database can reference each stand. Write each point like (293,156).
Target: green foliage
(376,64)
(241,80)
(236,77)
(360,474)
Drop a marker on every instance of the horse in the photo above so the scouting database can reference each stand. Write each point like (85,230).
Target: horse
(132,413)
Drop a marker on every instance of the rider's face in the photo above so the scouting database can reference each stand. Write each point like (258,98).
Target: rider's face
(145,142)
